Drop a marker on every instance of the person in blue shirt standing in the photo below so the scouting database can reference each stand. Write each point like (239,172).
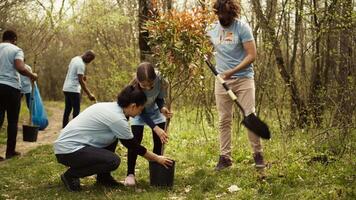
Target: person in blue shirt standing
(74,82)
(154,114)
(11,66)
(87,144)
(235,52)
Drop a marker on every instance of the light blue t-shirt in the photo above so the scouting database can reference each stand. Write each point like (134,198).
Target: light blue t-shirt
(99,126)
(228,44)
(151,108)
(76,66)
(8,73)
(26,85)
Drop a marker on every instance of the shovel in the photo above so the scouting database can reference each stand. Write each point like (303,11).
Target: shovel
(251,122)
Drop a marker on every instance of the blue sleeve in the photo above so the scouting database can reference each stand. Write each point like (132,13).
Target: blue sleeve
(246,33)
(19,55)
(163,90)
(132,144)
(80,68)
(147,119)
(121,129)
(160,103)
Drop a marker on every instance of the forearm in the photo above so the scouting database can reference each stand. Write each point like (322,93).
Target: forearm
(84,87)
(27,73)
(131,144)
(150,156)
(244,64)
(160,103)
(147,119)
(20,67)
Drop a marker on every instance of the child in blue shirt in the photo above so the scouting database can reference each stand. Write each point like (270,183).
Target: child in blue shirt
(154,114)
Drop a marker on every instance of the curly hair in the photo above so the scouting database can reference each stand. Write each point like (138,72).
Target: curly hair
(233,7)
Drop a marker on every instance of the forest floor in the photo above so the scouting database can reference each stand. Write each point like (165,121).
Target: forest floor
(44,137)
(301,166)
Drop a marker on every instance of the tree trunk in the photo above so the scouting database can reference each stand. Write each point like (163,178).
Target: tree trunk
(287,77)
(344,116)
(145,13)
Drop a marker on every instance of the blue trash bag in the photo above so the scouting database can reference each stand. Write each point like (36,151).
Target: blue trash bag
(39,115)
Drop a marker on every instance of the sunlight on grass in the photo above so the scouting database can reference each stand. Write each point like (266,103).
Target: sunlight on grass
(291,175)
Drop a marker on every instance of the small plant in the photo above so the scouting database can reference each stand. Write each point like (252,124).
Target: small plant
(178,41)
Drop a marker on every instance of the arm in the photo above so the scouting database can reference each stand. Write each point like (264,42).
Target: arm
(160,99)
(132,144)
(85,88)
(20,67)
(160,132)
(250,49)
(142,151)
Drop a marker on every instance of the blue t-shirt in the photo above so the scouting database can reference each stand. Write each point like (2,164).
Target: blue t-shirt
(76,66)
(99,126)
(8,73)
(26,85)
(228,44)
(151,108)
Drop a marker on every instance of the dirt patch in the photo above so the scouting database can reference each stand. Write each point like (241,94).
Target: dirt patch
(48,136)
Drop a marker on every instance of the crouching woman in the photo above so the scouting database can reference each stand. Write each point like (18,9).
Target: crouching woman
(87,144)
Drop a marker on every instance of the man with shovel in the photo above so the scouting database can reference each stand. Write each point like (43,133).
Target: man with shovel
(235,52)
(11,65)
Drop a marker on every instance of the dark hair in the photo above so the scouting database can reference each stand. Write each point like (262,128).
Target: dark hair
(145,71)
(228,6)
(131,94)
(9,35)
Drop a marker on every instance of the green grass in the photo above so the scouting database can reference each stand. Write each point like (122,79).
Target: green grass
(291,175)
(24,117)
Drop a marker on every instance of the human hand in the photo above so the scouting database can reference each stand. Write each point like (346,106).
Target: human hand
(161,134)
(226,75)
(91,97)
(34,77)
(166,112)
(166,162)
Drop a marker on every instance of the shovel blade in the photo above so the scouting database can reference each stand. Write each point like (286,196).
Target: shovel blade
(257,126)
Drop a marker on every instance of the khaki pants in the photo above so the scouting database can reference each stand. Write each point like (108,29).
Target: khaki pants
(244,88)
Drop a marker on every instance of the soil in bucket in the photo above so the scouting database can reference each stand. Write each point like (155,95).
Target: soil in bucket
(161,176)
(30,133)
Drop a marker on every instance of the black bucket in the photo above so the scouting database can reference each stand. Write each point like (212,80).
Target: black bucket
(30,133)
(161,176)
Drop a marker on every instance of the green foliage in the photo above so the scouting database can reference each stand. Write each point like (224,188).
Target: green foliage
(292,175)
(178,41)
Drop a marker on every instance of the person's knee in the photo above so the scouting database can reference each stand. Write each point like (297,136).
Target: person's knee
(115,162)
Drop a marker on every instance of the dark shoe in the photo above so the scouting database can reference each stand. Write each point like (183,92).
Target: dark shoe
(72,184)
(13,154)
(224,162)
(108,181)
(1,158)
(259,162)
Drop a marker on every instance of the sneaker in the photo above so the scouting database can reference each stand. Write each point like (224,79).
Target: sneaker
(13,154)
(259,162)
(107,181)
(1,158)
(224,162)
(130,180)
(72,184)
